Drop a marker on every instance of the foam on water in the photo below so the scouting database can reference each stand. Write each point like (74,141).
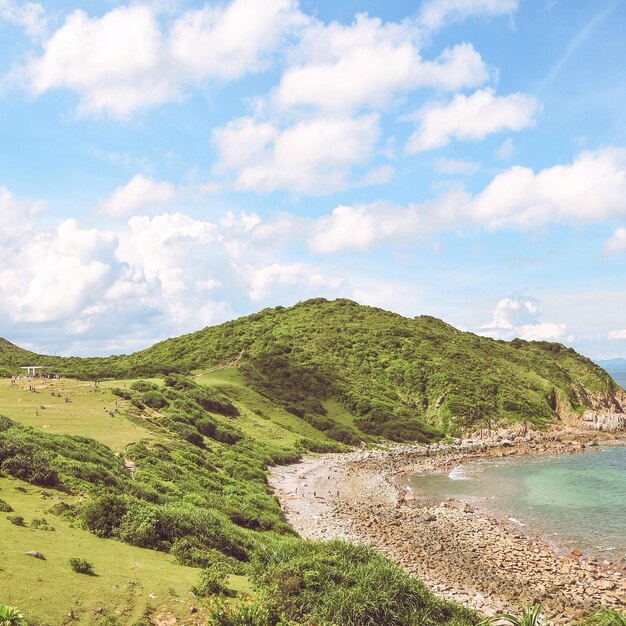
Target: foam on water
(458,473)
(579,498)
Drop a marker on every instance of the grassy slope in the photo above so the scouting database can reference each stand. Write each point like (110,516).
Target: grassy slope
(380,374)
(127,580)
(382,366)
(84,416)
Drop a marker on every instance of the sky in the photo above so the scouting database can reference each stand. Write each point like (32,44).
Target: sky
(168,165)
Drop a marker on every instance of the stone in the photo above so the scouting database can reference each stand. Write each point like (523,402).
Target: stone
(35,554)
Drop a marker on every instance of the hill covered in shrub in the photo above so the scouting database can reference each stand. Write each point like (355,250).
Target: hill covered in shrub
(399,378)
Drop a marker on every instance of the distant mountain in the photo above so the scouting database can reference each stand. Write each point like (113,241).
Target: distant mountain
(395,377)
(616,368)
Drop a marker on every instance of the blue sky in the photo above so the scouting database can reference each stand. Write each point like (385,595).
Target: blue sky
(169,165)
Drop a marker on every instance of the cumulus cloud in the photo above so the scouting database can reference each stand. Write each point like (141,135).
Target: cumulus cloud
(435,13)
(470,117)
(343,67)
(65,286)
(125,61)
(316,155)
(46,275)
(138,194)
(616,244)
(519,316)
(29,16)
(591,189)
(306,279)
(617,334)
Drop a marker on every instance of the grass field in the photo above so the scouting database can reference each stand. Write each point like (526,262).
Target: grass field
(85,415)
(259,417)
(128,580)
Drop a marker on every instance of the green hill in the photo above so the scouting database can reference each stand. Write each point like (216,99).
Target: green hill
(156,475)
(355,372)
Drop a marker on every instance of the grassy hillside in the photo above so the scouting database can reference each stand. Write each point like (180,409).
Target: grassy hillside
(170,495)
(356,372)
(159,482)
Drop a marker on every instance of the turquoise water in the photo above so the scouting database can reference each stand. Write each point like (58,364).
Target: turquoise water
(575,500)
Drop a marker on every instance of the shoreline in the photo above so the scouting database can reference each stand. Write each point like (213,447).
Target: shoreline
(461,552)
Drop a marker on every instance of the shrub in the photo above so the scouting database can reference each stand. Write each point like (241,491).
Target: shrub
(41,523)
(5,507)
(102,516)
(188,433)
(212,581)
(242,614)
(31,465)
(143,386)
(81,566)
(121,393)
(17,520)
(154,399)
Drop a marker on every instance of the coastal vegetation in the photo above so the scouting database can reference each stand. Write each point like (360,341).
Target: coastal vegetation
(150,470)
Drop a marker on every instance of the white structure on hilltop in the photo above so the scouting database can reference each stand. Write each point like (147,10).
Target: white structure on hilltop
(33,370)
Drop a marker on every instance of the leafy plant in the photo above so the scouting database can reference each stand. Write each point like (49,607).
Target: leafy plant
(5,507)
(606,617)
(10,615)
(17,520)
(531,616)
(41,523)
(81,566)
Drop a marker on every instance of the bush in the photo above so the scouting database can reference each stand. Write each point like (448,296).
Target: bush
(81,566)
(41,523)
(212,582)
(102,516)
(143,386)
(33,466)
(154,399)
(5,507)
(121,393)
(17,520)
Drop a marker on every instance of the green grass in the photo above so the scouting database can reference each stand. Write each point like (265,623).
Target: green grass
(127,578)
(84,415)
(260,418)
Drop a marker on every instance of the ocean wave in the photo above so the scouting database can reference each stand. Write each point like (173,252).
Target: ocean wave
(458,473)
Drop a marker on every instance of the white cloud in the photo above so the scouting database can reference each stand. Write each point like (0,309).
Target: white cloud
(617,334)
(367,63)
(435,13)
(46,275)
(229,41)
(470,117)
(505,150)
(29,16)
(316,155)
(591,189)
(307,280)
(616,244)
(456,166)
(114,62)
(519,316)
(138,194)
(125,61)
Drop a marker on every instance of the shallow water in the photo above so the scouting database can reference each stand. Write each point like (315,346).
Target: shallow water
(576,500)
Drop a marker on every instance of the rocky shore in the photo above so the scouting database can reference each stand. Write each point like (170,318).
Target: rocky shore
(464,554)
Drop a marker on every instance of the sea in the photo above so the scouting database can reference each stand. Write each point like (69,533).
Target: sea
(574,500)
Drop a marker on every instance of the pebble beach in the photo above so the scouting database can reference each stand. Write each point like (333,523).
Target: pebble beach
(461,552)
